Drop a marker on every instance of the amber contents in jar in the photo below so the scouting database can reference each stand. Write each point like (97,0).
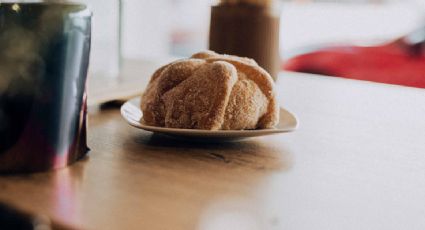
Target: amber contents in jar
(248,30)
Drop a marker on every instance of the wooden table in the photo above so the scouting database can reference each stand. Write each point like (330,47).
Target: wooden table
(356,162)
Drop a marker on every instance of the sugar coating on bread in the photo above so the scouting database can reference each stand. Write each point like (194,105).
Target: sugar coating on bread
(247,93)
(162,81)
(211,91)
(200,102)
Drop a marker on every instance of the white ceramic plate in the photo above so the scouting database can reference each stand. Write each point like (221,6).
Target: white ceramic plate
(133,115)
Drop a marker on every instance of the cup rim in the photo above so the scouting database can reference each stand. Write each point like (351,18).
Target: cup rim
(84,11)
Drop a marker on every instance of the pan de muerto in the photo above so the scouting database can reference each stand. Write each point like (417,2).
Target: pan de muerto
(212,92)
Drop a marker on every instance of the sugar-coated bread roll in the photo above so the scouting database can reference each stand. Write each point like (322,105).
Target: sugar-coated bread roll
(212,92)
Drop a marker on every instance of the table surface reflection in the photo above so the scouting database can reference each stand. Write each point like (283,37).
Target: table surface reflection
(356,162)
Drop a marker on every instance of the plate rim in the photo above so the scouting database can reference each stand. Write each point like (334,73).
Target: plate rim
(205,133)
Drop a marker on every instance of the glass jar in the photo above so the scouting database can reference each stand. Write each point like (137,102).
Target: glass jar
(44,56)
(247,28)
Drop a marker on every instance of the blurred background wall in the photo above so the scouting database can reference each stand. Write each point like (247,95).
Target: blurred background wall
(152,29)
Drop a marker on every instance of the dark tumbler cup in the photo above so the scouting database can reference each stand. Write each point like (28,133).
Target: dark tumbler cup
(44,54)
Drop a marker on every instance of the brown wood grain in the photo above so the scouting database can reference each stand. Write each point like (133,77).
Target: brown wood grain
(356,162)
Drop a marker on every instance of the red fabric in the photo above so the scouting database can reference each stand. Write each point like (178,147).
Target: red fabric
(392,64)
